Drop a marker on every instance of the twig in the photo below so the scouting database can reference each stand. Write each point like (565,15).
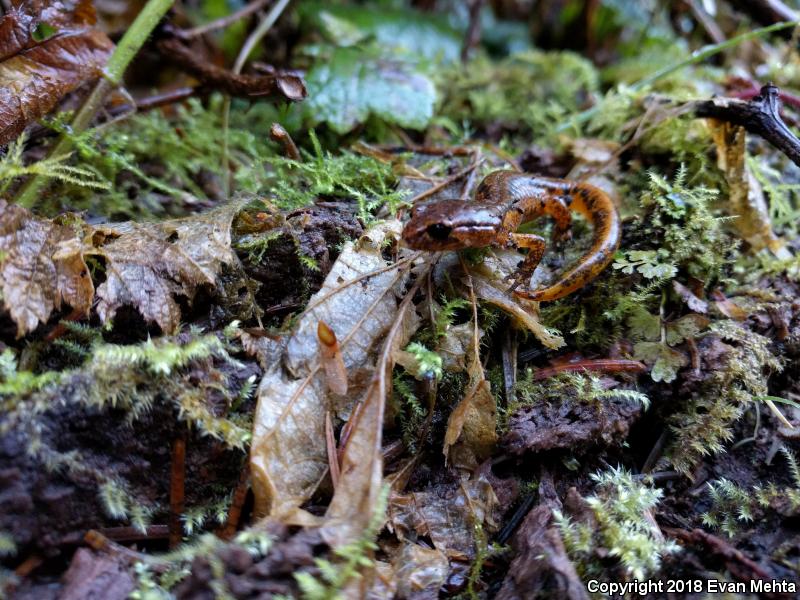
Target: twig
(126,49)
(760,116)
(767,11)
(473,35)
(739,565)
(655,452)
(285,85)
(606,365)
(162,99)
(250,43)
(237,503)
(134,534)
(278,134)
(443,184)
(706,22)
(177,489)
(225,21)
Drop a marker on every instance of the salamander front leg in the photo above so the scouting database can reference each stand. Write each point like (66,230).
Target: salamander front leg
(535,245)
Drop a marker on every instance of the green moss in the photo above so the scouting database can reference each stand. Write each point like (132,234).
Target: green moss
(531,91)
(577,387)
(705,423)
(13,167)
(182,374)
(348,560)
(623,527)
(322,174)
(733,506)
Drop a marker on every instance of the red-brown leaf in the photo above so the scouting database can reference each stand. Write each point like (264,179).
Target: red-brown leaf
(41,267)
(36,75)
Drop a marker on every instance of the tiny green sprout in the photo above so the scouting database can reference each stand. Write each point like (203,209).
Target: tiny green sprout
(647,262)
(7,545)
(257,543)
(622,525)
(428,363)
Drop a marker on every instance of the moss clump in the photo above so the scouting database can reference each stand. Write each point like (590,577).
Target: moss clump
(320,174)
(531,92)
(706,422)
(185,373)
(733,506)
(622,525)
(579,387)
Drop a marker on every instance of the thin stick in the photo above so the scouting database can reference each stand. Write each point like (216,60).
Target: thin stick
(223,22)
(126,49)
(443,184)
(237,503)
(278,134)
(177,490)
(250,43)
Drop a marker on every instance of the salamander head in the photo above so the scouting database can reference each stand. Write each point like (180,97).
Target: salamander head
(450,225)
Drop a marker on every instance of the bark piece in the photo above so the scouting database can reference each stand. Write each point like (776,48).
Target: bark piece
(569,424)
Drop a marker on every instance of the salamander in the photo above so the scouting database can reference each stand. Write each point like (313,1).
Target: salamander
(505,200)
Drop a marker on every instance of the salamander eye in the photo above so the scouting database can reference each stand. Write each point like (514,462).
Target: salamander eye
(439,232)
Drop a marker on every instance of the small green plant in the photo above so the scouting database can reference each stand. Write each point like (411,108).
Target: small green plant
(369,182)
(705,424)
(410,411)
(732,505)
(349,560)
(624,527)
(576,387)
(7,545)
(692,236)
(13,167)
(426,362)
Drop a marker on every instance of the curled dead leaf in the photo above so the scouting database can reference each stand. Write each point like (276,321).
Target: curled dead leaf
(331,357)
(490,292)
(446,513)
(35,73)
(147,265)
(285,85)
(358,298)
(745,193)
(471,427)
(41,268)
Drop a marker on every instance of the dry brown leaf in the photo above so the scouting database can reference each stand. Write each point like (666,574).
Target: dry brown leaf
(447,514)
(35,75)
(41,267)
(454,346)
(288,456)
(688,296)
(745,194)
(472,424)
(495,292)
(419,568)
(148,264)
(357,496)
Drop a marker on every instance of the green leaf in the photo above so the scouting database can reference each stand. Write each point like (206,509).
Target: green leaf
(354,83)
(686,327)
(405,31)
(664,360)
(644,325)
